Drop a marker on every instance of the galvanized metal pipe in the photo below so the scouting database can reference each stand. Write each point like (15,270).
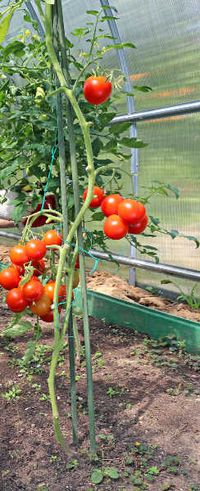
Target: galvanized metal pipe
(159,113)
(123,63)
(189,274)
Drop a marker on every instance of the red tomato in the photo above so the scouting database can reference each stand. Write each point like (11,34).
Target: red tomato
(52,237)
(47,317)
(50,202)
(49,291)
(131,211)
(20,269)
(35,249)
(115,227)
(97,89)
(15,300)
(41,306)
(110,204)
(33,290)
(39,267)
(9,278)
(18,255)
(77,264)
(98,196)
(138,227)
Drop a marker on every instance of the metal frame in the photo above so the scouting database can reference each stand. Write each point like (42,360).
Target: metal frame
(133,117)
(123,63)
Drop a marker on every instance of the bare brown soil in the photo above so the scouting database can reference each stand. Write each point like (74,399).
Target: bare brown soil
(147,406)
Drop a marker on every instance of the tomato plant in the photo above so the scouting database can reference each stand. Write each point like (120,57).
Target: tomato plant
(97,89)
(138,227)
(131,211)
(42,306)
(115,227)
(32,290)
(52,237)
(9,278)
(35,249)
(15,300)
(98,196)
(18,255)
(110,204)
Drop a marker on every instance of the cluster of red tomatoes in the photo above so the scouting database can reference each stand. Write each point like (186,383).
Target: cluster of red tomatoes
(33,294)
(124,216)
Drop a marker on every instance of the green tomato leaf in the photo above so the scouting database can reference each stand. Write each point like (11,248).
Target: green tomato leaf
(143,88)
(118,45)
(97,476)
(132,143)
(98,216)
(18,330)
(4,26)
(92,12)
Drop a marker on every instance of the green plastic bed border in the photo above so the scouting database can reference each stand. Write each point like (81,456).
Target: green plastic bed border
(142,319)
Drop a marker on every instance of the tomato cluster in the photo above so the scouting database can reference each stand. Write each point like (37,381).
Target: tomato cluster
(123,216)
(33,294)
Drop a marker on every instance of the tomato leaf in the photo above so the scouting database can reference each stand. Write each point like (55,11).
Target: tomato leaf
(143,88)
(132,142)
(4,26)
(118,45)
(18,330)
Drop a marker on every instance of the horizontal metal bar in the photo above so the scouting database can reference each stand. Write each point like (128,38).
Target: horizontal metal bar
(9,235)
(190,274)
(161,112)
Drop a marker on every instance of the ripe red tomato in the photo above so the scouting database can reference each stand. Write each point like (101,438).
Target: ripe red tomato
(138,227)
(97,89)
(35,249)
(42,306)
(47,317)
(39,267)
(77,264)
(33,290)
(115,227)
(131,211)
(49,291)
(52,237)
(15,300)
(98,196)
(9,278)
(110,204)
(18,254)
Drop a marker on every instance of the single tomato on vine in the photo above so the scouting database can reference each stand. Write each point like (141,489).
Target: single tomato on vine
(41,306)
(110,203)
(138,227)
(131,211)
(52,237)
(115,227)
(35,249)
(18,255)
(49,290)
(15,300)
(9,278)
(32,290)
(97,89)
(98,196)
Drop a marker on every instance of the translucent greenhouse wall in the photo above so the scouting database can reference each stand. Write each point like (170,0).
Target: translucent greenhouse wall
(167,37)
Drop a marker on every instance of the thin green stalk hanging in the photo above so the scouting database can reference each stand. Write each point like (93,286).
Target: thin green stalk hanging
(75,180)
(66,249)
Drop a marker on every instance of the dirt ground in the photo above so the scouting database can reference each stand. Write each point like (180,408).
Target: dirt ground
(117,287)
(147,406)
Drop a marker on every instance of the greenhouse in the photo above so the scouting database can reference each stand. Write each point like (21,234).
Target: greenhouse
(99,245)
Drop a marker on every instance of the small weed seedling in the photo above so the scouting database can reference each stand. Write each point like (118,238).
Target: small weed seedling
(13,393)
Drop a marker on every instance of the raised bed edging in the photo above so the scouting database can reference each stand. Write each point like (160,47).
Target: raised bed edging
(143,319)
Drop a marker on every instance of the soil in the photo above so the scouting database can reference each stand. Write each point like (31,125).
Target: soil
(147,407)
(116,287)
